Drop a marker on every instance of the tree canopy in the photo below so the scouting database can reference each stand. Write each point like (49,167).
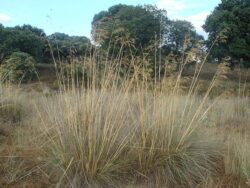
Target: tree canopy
(142,32)
(229,27)
(21,38)
(67,46)
(123,26)
(180,34)
(141,28)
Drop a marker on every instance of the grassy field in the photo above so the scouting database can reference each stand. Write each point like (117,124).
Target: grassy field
(185,131)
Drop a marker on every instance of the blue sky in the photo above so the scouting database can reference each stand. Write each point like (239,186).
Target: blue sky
(74,17)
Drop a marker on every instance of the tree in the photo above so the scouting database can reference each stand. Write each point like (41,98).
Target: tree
(31,40)
(229,27)
(1,43)
(35,30)
(131,28)
(65,46)
(21,39)
(180,36)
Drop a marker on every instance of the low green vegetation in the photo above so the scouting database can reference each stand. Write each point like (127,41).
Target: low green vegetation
(20,67)
(229,26)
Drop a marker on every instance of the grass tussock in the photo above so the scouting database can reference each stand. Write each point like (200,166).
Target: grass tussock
(11,109)
(10,112)
(112,138)
(109,136)
(237,157)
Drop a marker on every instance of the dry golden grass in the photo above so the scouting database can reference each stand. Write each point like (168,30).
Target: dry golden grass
(113,132)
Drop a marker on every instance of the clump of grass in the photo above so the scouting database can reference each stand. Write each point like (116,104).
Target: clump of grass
(11,107)
(92,135)
(125,129)
(231,123)
(169,145)
(110,136)
(241,108)
(237,157)
(11,112)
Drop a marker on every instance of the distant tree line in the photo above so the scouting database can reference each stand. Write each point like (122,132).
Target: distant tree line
(140,31)
(33,41)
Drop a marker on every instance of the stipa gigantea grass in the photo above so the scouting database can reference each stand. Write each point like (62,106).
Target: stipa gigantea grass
(122,131)
(91,138)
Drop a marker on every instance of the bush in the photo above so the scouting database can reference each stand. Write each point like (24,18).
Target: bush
(19,67)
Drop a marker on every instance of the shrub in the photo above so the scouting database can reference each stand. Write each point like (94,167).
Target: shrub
(19,67)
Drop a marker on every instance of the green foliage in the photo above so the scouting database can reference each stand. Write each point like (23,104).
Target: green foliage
(19,67)
(33,41)
(180,35)
(65,46)
(130,28)
(24,39)
(229,26)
